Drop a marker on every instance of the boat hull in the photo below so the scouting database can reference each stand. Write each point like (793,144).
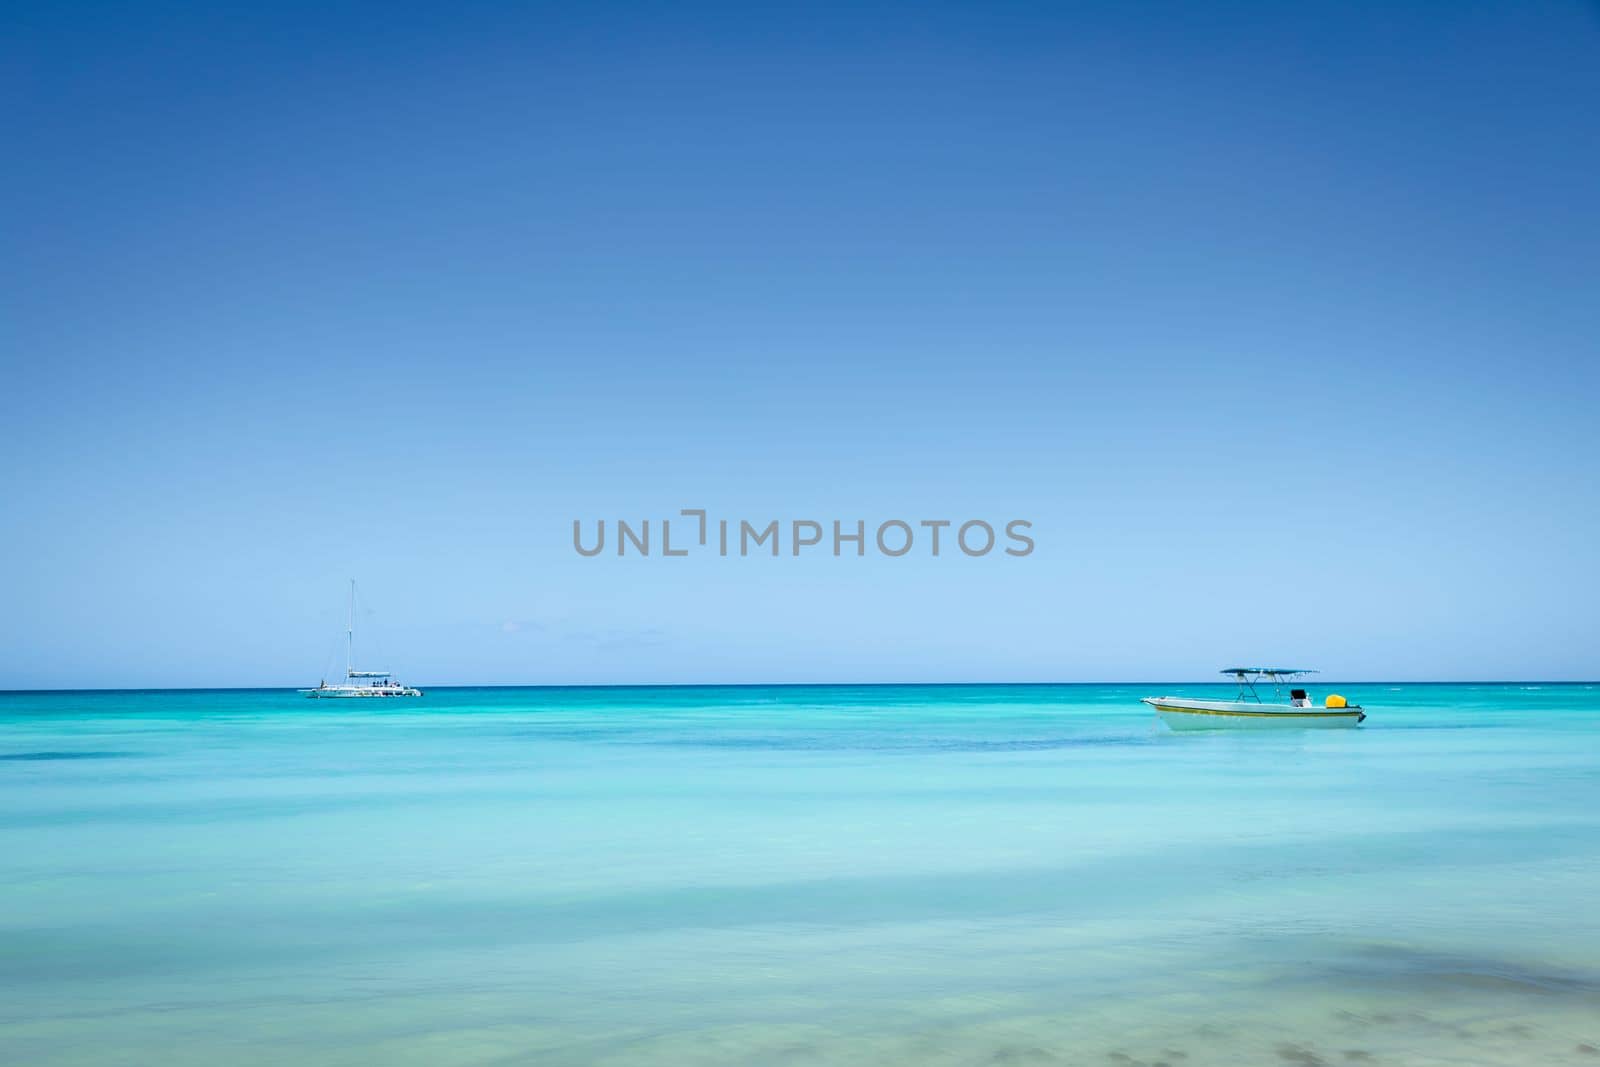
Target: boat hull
(1182,713)
(360,692)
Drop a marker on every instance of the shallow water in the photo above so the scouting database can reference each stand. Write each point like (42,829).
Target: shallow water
(851,875)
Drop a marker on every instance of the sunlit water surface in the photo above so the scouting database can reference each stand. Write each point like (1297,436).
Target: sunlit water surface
(794,876)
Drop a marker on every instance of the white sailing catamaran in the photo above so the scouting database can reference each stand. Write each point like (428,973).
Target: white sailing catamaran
(359,683)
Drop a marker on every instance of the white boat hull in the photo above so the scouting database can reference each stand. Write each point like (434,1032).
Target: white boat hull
(1185,713)
(357,692)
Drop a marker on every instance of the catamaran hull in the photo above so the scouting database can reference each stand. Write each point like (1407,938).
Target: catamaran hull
(1184,714)
(356,694)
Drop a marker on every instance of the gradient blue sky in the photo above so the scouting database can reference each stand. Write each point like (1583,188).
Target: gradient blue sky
(1279,321)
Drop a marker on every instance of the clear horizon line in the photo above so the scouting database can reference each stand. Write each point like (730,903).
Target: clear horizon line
(788,685)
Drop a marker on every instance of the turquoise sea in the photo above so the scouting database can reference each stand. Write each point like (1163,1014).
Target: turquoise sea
(922,875)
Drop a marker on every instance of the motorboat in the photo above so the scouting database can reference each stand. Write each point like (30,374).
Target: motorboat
(359,684)
(1249,712)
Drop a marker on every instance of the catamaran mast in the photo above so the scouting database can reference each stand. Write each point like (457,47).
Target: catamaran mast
(350,633)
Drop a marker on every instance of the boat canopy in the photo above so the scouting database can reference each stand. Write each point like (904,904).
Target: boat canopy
(367,674)
(1271,672)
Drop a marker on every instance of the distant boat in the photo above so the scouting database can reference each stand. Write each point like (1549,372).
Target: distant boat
(1250,712)
(359,683)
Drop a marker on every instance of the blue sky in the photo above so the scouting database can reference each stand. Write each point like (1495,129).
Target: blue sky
(1277,321)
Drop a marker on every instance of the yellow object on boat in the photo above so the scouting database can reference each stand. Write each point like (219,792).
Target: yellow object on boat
(1336,701)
